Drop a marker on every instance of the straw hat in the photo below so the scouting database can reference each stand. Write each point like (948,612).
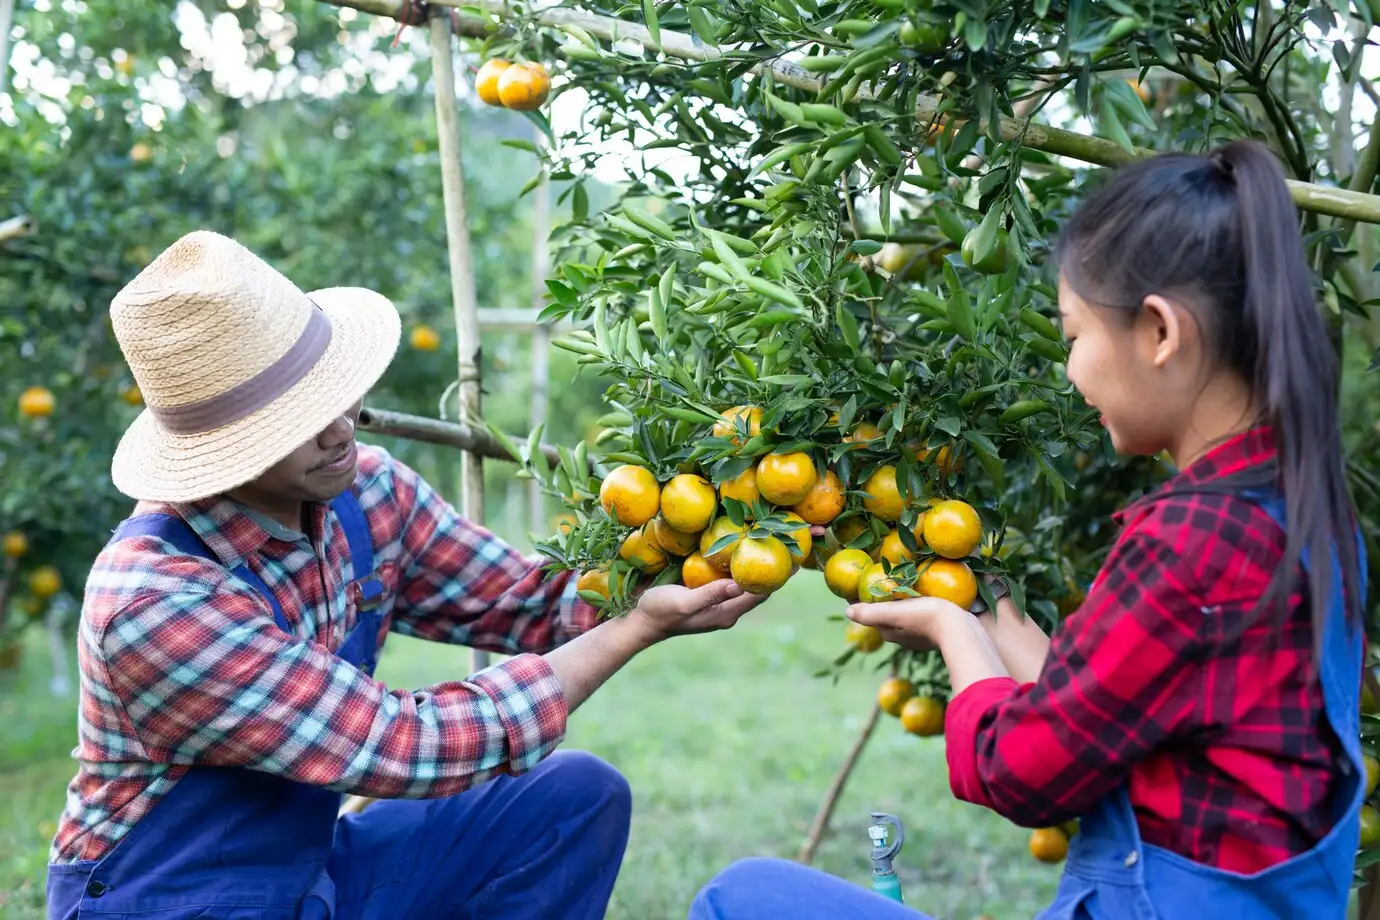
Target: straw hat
(238,367)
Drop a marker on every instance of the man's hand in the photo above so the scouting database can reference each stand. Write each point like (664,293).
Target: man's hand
(588,660)
(674,610)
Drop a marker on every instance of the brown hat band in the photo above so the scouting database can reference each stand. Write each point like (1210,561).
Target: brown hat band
(256,392)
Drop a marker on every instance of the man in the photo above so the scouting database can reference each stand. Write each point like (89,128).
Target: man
(231,626)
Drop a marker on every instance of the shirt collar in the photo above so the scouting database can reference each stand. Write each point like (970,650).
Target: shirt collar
(1239,453)
(234,532)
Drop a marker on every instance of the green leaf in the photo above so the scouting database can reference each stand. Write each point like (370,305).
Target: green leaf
(981,442)
(579,202)
(1111,123)
(848,325)
(866,247)
(949,425)
(785,380)
(601,329)
(653,24)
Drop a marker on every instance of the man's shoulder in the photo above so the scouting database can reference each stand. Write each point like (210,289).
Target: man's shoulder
(136,571)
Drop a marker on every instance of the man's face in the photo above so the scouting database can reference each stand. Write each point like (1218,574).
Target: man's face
(317,471)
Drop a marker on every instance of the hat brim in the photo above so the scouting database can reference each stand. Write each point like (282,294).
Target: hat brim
(153,464)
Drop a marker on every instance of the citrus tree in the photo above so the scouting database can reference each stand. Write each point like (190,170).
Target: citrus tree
(825,297)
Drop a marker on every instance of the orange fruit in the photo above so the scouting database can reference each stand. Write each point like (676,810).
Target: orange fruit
(486,80)
(1049,844)
(630,495)
(953,529)
(1370,827)
(1140,89)
(696,572)
(45,582)
(883,497)
(642,550)
(727,425)
(941,459)
(15,544)
(742,487)
(721,528)
(950,580)
(1372,774)
(33,607)
(36,402)
(864,432)
(688,502)
(524,87)
(804,540)
(843,570)
(824,502)
(875,585)
(760,565)
(894,551)
(675,542)
(785,479)
(596,580)
(847,531)
(424,338)
(893,693)
(141,152)
(923,715)
(132,395)
(565,523)
(863,638)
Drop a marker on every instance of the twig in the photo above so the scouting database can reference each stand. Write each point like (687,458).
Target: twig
(831,798)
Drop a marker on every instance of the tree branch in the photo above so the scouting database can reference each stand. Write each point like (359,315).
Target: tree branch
(1095,150)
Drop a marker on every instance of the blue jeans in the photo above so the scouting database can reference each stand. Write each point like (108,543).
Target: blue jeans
(776,889)
(542,845)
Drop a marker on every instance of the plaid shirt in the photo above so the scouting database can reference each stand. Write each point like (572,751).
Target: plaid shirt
(1169,678)
(181,667)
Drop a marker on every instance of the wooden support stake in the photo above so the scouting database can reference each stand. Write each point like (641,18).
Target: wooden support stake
(831,798)
(435,431)
(461,268)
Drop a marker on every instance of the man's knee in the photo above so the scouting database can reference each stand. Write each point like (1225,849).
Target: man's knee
(587,781)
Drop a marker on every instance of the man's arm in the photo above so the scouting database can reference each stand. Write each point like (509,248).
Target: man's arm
(202,675)
(461,584)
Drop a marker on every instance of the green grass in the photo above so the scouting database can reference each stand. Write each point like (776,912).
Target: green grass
(728,742)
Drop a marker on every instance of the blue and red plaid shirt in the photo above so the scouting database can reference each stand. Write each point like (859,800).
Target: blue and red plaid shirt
(1172,678)
(181,667)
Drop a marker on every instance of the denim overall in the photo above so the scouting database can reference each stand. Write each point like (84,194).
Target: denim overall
(200,851)
(1111,874)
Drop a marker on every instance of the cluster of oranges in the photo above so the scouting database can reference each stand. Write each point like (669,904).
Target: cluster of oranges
(518,86)
(766,537)
(686,517)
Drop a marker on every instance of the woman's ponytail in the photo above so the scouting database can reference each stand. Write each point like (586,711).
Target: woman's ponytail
(1296,375)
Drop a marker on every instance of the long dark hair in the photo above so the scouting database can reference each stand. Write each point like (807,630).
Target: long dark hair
(1222,233)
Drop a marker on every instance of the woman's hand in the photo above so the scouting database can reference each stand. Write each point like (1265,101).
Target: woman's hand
(913,622)
(922,623)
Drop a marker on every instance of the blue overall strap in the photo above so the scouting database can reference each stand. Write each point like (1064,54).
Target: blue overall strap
(361,544)
(173,530)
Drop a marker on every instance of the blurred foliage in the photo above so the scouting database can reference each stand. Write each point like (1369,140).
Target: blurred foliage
(117,140)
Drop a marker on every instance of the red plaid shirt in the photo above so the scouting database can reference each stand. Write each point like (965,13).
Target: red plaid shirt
(182,666)
(1169,678)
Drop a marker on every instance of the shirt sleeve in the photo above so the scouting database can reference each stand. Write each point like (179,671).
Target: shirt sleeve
(1121,678)
(461,584)
(204,676)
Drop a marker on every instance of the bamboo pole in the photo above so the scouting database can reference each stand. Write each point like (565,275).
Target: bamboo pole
(23,225)
(461,267)
(6,21)
(1338,202)
(541,337)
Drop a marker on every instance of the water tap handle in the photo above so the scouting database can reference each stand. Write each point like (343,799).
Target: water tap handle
(885,844)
